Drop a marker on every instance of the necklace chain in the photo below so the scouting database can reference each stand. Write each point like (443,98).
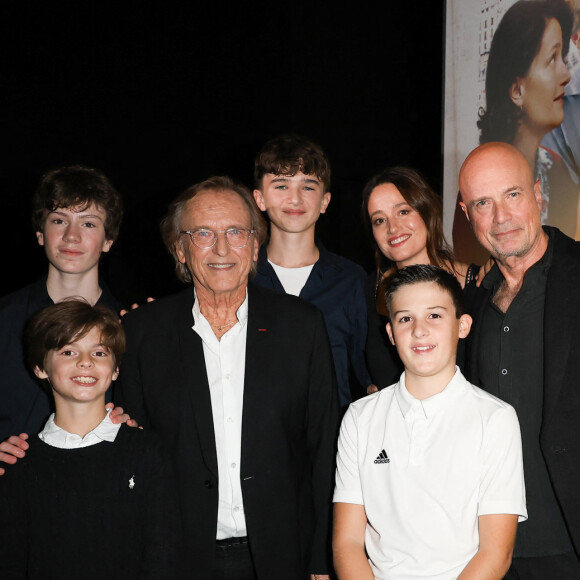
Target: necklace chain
(220,328)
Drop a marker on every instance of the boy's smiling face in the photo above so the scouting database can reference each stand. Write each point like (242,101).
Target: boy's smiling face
(293,202)
(425,329)
(81,371)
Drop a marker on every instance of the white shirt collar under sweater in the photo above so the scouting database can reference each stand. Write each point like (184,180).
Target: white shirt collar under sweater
(55,436)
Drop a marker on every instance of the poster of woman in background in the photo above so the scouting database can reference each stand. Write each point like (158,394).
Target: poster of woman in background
(525,103)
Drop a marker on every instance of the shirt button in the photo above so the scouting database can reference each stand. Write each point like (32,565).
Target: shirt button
(504,372)
(506,328)
(230,420)
(233,465)
(228,376)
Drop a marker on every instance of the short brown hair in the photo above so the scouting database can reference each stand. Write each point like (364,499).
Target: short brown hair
(171,224)
(76,186)
(425,273)
(65,322)
(289,154)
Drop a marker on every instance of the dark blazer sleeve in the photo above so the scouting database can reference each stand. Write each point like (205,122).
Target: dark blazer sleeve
(358,323)
(14,523)
(128,390)
(322,434)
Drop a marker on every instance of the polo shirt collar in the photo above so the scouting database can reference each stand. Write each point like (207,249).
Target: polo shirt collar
(55,436)
(430,406)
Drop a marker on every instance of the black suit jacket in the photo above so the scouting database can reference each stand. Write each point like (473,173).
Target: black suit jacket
(289,426)
(560,432)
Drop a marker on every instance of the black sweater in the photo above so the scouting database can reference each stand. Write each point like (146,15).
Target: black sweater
(104,511)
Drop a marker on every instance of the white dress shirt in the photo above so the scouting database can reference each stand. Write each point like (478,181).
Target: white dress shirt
(53,435)
(225,363)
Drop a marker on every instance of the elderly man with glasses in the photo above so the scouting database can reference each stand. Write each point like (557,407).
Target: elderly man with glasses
(239,383)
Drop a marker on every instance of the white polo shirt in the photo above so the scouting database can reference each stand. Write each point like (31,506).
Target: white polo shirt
(425,470)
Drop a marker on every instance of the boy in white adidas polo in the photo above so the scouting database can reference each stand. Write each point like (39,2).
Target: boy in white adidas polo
(429,480)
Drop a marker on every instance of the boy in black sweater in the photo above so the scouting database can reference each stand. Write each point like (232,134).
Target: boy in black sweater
(91,499)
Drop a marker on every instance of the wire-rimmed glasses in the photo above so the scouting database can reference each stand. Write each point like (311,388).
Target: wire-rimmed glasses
(205,238)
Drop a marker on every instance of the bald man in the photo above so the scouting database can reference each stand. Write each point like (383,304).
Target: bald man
(524,348)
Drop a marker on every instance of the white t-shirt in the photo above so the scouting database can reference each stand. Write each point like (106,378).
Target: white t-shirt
(425,470)
(292,279)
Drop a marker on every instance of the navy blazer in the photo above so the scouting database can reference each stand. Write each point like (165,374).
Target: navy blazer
(336,286)
(560,431)
(289,426)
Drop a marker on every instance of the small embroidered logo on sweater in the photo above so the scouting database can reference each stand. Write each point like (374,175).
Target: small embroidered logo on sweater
(132,482)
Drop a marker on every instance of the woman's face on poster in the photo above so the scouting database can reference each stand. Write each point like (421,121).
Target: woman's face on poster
(540,93)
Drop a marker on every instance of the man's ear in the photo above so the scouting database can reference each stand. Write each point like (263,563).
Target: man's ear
(116,374)
(259,199)
(325,201)
(179,251)
(464,208)
(390,333)
(40,373)
(465,322)
(40,238)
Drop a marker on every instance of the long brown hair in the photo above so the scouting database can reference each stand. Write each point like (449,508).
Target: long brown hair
(419,195)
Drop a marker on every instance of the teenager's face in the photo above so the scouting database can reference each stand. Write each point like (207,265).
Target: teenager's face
(293,202)
(425,330)
(81,371)
(74,238)
(398,229)
(541,91)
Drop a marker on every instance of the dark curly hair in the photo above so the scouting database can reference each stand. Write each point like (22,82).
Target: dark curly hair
(77,186)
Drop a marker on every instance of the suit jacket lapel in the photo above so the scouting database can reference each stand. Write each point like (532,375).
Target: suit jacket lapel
(193,364)
(258,357)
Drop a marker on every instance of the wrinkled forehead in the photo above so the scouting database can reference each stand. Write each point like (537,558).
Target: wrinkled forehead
(213,208)
(494,172)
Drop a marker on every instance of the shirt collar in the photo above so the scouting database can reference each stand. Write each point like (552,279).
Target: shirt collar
(494,277)
(431,405)
(55,436)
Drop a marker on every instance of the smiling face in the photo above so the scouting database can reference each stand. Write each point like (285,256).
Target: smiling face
(398,229)
(219,271)
(81,371)
(293,202)
(74,238)
(502,203)
(425,329)
(540,93)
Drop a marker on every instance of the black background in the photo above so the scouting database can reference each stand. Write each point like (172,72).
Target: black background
(160,96)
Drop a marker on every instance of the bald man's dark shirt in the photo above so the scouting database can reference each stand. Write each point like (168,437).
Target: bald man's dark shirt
(511,367)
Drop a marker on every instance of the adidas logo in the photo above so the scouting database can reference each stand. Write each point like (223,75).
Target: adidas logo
(383,457)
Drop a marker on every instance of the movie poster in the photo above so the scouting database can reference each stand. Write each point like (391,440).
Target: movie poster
(512,74)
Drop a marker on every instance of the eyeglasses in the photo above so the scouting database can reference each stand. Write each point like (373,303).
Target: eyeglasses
(204,238)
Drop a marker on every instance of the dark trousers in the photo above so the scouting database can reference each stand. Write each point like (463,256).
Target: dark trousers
(233,560)
(560,567)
